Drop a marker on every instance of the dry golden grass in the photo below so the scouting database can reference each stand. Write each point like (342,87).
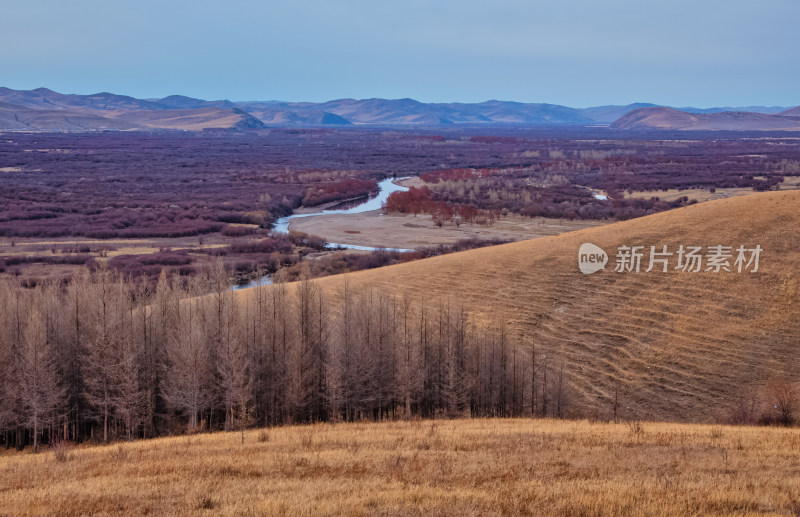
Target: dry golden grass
(409,231)
(677,346)
(461,467)
(697,194)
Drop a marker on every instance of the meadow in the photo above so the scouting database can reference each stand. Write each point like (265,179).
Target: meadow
(420,467)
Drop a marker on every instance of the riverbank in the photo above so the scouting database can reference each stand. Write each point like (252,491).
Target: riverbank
(364,228)
(385,189)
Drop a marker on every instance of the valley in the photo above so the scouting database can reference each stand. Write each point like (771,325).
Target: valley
(146,202)
(383,259)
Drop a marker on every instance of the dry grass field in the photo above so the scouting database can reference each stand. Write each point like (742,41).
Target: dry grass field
(674,346)
(456,467)
(408,231)
(100,250)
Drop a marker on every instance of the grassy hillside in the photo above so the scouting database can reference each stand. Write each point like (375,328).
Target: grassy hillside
(460,467)
(677,346)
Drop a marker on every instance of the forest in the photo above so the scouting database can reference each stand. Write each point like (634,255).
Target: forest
(102,359)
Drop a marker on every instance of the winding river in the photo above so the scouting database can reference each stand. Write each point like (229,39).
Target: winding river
(386,188)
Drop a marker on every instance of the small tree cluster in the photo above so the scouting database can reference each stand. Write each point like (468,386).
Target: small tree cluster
(419,200)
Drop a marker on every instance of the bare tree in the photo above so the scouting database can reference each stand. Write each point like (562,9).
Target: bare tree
(130,397)
(42,395)
(410,371)
(232,365)
(160,327)
(784,399)
(8,356)
(186,386)
(744,411)
(101,359)
(560,391)
(306,360)
(454,342)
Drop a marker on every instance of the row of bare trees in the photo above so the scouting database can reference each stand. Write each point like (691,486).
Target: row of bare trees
(101,358)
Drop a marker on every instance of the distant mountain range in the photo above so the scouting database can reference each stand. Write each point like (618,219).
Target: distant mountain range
(44,109)
(659,118)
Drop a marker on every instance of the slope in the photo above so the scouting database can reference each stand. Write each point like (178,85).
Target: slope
(459,468)
(191,119)
(793,112)
(21,118)
(675,345)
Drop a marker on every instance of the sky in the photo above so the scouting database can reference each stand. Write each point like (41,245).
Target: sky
(577,53)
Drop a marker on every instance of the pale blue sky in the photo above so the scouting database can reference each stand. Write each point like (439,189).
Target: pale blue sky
(572,52)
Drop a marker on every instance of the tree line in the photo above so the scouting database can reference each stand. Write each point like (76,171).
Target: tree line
(101,358)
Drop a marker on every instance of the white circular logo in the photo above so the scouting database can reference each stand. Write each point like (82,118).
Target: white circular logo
(591,258)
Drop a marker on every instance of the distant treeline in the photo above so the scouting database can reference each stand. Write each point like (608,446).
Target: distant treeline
(102,359)
(174,184)
(246,259)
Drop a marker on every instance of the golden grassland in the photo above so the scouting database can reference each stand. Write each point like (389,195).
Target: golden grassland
(439,467)
(674,346)
(409,231)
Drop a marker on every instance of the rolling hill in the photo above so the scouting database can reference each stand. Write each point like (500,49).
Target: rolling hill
(660,118)
(794,112)
(44,98)
(446,468)
(753,109)
(191,119)
(412,112)
(609,114)
(272,114)
(44,109)
(678,345)
(22,118)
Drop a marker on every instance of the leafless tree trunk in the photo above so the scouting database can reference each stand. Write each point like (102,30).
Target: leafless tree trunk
(188,365)
(101,356)
(784,397)
(233,373)
(129,398)
(42,395)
